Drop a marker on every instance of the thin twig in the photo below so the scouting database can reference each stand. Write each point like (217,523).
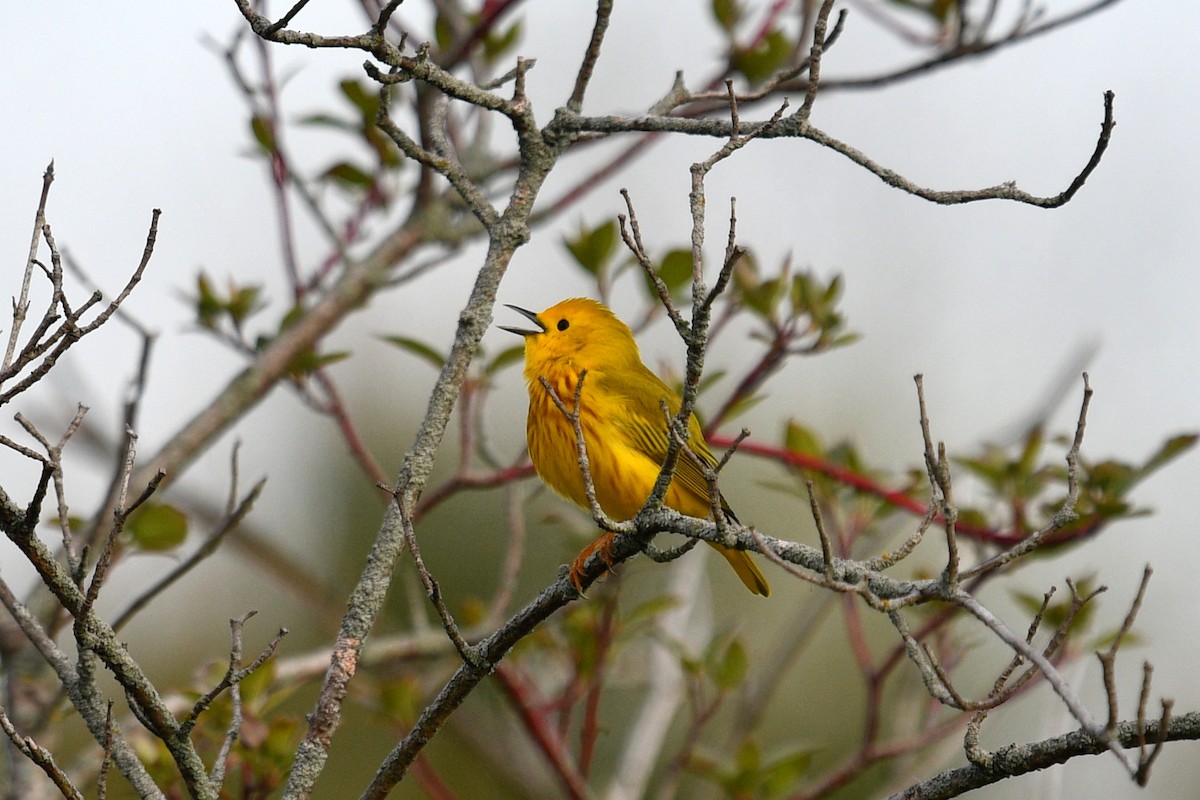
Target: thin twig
(792,128)
(826,544)
(591,55)
(633,240)
(21,303)
(211,544)
(234,674)
(1051,675)
(1066,513)
(106,761)
(41,757)
(433,589)
(217,775)
(1108,658)
(814,60)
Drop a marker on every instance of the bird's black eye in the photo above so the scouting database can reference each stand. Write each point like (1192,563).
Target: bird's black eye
(563,324)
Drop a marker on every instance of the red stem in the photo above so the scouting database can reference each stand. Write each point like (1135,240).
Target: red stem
(457,484)
(336,408)
(489,15)
(430,781)
(768,23)
(1082,529)
(591,714)
(534,719)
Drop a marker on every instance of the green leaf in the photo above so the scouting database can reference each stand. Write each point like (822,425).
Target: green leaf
(650,609)
(209,306)
(743,405)
(727,13)
(293,315)
(938,10)
(443,33)
(690,664)
(473,611)
(1171,449)
(328,121)
(279,747)
(1032,603)
(325,359)
(310,361)
(386,150)
(833,291)
(782,773)
(989,468)
(802,293)
(417,348)
(1112,477)
(763,298)
(258,684)
(74,524)
(973,517)
(745,272)
(593,249)
(761,61)
(264,133)
(800,439)
(243,302)
(709,379)
(1105,639)
(349,175)
(845,339)
(505,357)
(1060,606)
(497,44)
(1027,463)
(747,761)
(675,270)
(401,699)
(156,527)
(730,670)
(362,98)
(580,627)
(845,453)
(816,299)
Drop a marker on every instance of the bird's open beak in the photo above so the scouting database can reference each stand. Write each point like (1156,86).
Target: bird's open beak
(532,317)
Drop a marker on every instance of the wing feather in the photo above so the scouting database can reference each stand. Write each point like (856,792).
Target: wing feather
(643,426)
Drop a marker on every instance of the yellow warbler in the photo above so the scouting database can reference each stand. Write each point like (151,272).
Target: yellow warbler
(622,420)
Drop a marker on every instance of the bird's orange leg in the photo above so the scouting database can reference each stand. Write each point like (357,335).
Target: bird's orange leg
(603,546)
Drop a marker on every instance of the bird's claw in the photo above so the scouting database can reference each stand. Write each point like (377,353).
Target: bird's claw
(603,547)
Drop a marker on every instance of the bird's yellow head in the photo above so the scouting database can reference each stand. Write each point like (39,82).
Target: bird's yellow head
(575,334)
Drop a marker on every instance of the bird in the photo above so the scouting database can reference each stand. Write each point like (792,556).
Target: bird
(621,416)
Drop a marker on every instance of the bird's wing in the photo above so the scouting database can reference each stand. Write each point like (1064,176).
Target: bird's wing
(644,426)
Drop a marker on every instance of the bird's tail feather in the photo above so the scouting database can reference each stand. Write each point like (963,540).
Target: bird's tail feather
(746,569)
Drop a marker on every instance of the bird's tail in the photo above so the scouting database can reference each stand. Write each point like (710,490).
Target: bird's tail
(746,569)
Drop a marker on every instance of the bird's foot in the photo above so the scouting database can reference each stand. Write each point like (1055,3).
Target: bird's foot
(603,546)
